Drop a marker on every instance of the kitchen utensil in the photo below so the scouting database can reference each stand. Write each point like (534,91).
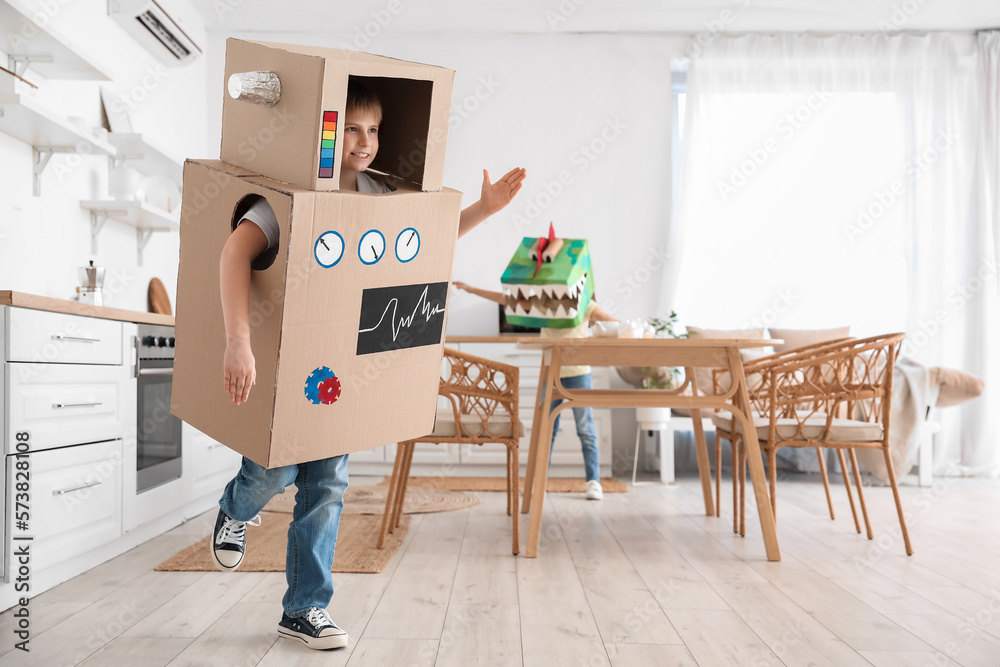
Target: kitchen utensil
(157,299)
(92,282)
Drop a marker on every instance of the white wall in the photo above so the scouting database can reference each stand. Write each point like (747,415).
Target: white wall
(535,101)
(43,239)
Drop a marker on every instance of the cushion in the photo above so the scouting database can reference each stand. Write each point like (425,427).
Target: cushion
(794,338)
(955,386)
(497,427)
(703,375)
(844,430)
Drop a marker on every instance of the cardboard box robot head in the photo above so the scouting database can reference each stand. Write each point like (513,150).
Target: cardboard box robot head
(284,114)
(347,318)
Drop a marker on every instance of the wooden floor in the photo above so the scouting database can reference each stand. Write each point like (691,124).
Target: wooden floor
(642,578)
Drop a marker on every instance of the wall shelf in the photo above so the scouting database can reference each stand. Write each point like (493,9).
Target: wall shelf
(145,156)
(145,218)
(23,118)
(44,48)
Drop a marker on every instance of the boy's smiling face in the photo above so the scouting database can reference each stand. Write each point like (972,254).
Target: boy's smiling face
(360,140)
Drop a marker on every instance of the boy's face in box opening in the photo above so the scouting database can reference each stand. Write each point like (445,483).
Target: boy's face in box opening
(360,141)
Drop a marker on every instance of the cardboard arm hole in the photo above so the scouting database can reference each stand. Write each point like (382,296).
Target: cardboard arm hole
(265,259)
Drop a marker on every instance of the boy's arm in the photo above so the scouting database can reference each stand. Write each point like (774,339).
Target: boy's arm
(598,315)
(239,368)
(494,197)
(486,294)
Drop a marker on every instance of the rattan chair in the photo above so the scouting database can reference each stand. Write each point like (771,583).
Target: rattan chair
(757,376)
(839,397)
(482,408)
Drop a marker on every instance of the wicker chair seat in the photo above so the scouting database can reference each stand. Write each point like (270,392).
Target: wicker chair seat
(842,430)
(497,426)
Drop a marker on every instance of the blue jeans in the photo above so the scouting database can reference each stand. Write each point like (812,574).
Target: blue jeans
(312,535)
(584,428)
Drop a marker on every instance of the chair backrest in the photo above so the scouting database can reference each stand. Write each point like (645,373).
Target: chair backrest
(851,378)
(481,387)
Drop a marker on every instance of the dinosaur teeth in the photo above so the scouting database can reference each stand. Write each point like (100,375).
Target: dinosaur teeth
(572,312)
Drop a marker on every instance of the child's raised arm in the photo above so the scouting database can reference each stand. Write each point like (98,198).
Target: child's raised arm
(486,294)
(494,197)
(239,371)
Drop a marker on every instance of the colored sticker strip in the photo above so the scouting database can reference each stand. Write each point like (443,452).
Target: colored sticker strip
(327,144)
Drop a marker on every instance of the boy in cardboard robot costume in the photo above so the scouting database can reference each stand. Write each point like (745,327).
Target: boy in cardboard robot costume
(342,322)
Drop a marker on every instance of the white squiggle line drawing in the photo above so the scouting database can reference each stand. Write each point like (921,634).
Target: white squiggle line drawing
(425,310)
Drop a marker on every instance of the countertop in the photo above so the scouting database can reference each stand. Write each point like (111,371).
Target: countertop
(35,302)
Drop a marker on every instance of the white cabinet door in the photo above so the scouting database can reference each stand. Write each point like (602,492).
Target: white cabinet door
(75,502)
(68,404)
(208,464)
(37,337)
(376,455)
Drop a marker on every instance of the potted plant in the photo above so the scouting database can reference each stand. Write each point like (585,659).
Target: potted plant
(658,378)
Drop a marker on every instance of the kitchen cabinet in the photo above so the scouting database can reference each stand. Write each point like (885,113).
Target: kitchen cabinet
(208,464)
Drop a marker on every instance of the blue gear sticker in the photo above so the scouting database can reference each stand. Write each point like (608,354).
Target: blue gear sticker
(322,387)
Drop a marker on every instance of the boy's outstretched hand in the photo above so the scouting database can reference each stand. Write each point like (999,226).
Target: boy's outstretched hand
(239,372)
(495,196)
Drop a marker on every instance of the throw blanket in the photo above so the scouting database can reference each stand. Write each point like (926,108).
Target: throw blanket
(912,398)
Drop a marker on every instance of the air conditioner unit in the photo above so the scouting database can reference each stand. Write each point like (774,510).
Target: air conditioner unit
(169,30)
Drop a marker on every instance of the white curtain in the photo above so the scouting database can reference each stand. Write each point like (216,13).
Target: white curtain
(849,179)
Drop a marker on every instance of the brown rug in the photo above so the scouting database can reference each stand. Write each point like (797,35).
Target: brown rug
(552,484)
(371,500)
(356,550)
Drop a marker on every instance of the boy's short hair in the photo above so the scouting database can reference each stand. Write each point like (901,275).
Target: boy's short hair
(360,99)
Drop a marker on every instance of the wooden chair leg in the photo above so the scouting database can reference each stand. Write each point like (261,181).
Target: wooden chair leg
(899,503)
(513,481)
(826,480)
(861,493)
(404,479)
(718,475)
(743,488)
(772,473)
(390,497)
(850,494)
(508,481)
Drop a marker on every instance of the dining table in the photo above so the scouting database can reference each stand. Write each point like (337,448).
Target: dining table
(686,353)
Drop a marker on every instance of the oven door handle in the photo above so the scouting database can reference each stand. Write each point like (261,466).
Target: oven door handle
(135,349)
(155,371)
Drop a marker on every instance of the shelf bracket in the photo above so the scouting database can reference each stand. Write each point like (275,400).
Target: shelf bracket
(142,237)
(42,155)
(18,64)
(97,220)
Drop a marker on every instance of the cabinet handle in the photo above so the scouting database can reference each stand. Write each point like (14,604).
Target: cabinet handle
(75,339)
(75,488)
(215,446)
(74,405)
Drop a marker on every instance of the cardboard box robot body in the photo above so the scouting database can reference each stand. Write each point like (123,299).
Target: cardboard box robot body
(348,318)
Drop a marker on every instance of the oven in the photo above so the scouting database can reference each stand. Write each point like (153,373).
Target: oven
(158,433)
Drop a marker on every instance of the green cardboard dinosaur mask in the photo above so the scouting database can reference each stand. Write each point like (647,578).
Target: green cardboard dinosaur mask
(548,283)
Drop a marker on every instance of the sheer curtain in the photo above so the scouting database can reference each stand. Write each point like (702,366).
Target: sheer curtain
(848,179)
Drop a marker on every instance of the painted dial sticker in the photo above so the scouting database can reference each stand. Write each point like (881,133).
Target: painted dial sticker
(322,387)
(372,247)
(407,244)
(329,249)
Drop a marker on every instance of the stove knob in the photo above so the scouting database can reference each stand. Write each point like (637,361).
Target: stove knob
(171,341)
(148,341)
(161,342)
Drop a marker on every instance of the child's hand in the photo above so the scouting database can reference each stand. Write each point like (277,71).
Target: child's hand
(460,285)
(495,196)
(239,372)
